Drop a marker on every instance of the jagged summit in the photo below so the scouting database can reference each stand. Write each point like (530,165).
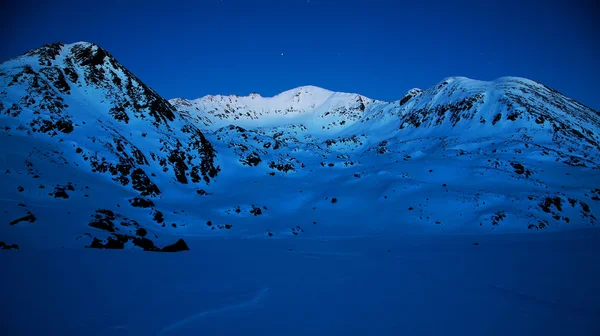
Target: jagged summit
(81,120)
(48,53)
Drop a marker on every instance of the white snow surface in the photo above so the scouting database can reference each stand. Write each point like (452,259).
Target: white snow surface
(468,208)
(511,284)
(464,156)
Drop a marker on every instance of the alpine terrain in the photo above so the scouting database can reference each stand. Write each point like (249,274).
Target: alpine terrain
(92,158)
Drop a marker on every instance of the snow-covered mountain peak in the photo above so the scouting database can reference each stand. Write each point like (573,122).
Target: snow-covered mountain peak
(301,104)
(306,92)
(82,122)
(466,84)
(255,95)
(87,142)
(54,53)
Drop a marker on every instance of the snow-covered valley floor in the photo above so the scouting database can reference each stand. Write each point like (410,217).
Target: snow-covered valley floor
(508,284)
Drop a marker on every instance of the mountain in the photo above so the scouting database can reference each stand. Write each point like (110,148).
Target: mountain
(94,157)
(292,106)
(82,136)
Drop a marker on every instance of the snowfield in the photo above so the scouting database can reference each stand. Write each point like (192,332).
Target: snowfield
(509,284)
(468,208)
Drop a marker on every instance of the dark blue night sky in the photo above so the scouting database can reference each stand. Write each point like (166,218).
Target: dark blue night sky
(377,48)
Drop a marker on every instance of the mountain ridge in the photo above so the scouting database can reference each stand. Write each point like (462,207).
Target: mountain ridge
(46,52)
(87,144)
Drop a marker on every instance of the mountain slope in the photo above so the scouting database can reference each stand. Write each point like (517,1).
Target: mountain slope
(94,157)
(510,148)
(307,104)
(82,136)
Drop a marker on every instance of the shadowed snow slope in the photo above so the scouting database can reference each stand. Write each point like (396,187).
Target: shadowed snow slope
(93,157)
(544,284)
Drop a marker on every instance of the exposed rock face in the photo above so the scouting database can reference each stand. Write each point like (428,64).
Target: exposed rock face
(83,112)
(180,245)
(40,89)
(6,246)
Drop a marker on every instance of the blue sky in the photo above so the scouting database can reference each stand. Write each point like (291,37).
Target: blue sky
(377,48)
